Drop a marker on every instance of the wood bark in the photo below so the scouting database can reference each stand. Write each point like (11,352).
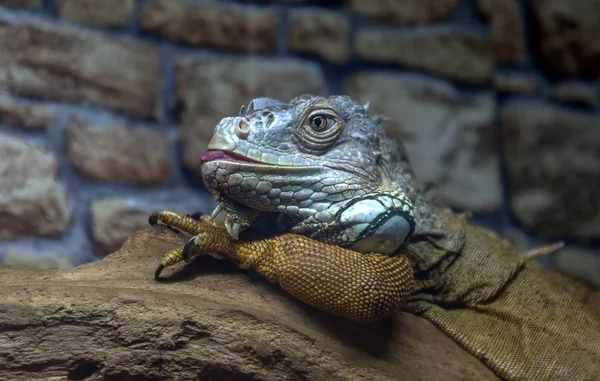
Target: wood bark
(110,320)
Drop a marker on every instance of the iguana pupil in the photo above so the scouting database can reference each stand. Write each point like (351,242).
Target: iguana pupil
(318,122)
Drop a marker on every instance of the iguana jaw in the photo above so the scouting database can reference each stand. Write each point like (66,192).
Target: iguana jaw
(218,166)
(297,190)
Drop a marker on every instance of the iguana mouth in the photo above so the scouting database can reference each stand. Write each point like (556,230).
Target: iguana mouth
(213,155)
(273,164)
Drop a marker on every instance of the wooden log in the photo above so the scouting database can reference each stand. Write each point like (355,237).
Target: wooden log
(110,320)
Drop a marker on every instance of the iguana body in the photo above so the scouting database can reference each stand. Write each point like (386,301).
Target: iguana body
(357,239)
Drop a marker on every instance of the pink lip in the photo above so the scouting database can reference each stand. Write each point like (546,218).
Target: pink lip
(222,155)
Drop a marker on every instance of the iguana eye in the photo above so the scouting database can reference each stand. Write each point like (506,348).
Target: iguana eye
(321,122)
(319,129)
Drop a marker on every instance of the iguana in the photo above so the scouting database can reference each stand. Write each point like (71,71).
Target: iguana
(356,237)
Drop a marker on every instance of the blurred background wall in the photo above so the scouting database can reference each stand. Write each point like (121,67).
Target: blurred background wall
(105,104)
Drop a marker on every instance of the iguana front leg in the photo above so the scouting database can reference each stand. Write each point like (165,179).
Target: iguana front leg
(361,287)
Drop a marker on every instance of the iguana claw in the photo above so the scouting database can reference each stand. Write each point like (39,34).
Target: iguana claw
(220,207)
(234,227)
(238,217)
(158,271)
(187,249)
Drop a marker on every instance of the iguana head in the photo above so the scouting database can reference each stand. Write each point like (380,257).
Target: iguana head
(297,157)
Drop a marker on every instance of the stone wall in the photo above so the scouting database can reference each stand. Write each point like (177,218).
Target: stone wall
(104,105)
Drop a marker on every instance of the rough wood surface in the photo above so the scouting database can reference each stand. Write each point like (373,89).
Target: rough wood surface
(110,320)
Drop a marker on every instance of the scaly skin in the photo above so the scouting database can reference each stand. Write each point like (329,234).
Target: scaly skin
(348,189)
(360,287)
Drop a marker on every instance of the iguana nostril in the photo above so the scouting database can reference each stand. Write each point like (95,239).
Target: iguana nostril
(242,128)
